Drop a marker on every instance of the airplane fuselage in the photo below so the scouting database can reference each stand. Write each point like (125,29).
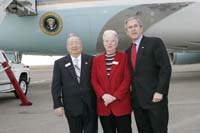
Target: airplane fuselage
(175,22)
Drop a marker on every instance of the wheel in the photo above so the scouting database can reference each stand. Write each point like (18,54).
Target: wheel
(23,84)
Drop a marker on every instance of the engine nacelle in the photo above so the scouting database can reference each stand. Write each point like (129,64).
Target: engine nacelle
(184,58)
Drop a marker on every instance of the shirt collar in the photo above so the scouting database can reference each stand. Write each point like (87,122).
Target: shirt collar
(79,58)
(137,42)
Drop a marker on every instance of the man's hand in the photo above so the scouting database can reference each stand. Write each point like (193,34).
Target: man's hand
(108,99)
(157,97)
(59,111)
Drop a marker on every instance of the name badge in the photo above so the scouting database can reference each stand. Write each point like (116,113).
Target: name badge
(68,64)
(115,62)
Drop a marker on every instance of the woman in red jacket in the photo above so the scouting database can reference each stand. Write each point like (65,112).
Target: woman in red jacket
(111,81)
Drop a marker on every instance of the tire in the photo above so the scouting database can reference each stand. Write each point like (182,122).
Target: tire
(23,84)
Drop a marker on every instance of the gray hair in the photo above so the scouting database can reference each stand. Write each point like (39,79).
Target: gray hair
(72,35)
(133,18)
(111,32)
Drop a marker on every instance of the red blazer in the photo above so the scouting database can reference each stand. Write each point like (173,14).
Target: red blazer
(118,84)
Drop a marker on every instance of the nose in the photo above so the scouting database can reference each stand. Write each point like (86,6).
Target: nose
(110,44)
(74,44)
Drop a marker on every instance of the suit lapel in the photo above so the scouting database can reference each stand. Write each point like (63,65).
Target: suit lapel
(129,56)
(70,68)
(102,66)
(84,65)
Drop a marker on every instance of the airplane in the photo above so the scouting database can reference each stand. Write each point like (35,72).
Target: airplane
(41,27)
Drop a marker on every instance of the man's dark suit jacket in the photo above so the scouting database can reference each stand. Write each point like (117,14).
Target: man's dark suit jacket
(66,90)
(152,74)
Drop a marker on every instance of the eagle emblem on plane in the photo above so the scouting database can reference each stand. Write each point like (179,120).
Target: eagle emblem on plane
(51,23)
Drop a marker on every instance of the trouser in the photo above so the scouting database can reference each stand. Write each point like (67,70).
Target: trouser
(153,120)
(87,122)
(121,124)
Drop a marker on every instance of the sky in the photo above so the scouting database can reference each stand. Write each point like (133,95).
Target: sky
(34,60)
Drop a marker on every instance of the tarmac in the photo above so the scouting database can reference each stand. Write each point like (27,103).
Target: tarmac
(184,104)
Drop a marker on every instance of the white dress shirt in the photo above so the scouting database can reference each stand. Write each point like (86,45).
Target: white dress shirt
(79,60)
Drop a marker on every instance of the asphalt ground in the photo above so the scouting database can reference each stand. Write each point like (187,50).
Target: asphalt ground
(184,104)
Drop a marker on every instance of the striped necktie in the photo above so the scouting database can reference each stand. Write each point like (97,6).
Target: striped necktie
(77,69)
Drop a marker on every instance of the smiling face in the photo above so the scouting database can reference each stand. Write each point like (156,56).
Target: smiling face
(134,29)
(74,46)
(110,41)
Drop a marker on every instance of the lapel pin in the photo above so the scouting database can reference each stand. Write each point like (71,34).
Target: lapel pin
(68,64)
(115,62)
(86,63)
(142,47)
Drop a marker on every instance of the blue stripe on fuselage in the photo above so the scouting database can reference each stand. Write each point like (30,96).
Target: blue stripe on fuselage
(45,0)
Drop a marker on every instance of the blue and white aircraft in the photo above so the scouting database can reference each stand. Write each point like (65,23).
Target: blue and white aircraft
(41,27)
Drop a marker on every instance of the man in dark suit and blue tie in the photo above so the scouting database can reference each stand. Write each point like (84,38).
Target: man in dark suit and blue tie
(151,71)
(72,91)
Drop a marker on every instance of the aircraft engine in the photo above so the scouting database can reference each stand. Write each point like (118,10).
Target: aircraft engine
(184,58)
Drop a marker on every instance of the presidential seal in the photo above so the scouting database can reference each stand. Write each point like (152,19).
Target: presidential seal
(51,23)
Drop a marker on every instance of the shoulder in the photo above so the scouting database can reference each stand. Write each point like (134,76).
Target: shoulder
(128,49)
(87,55)
(153,41)
(99,56)
(60,62)
(61,59)
(156,39)
(121,54)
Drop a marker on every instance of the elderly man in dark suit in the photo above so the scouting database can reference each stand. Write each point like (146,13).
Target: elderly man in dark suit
(71,89)
(151,71)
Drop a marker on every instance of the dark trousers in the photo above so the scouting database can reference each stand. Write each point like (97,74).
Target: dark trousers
(87,122)
(121,124)
(153,120)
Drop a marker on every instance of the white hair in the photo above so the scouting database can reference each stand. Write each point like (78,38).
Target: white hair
(110,32)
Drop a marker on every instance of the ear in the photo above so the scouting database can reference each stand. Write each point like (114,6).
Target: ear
(142,29)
